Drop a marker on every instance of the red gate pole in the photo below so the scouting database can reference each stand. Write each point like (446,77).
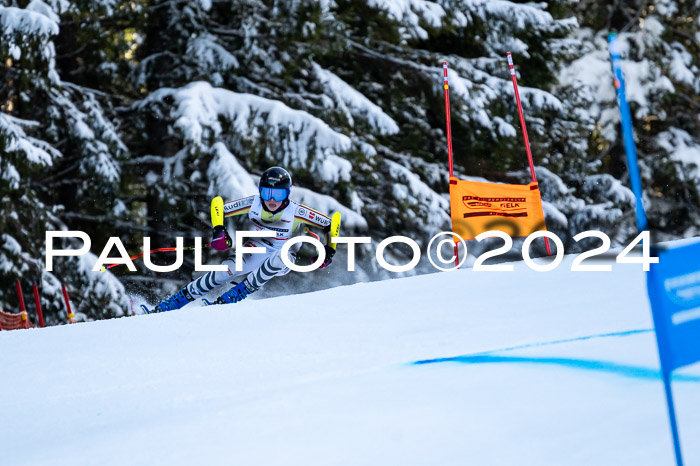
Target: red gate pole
(446,87)
(21,297)
(22,308)
(39,314)
(71,317)
(447,116)
(522,124)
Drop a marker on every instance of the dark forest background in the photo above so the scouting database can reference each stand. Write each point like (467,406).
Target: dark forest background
(124,118)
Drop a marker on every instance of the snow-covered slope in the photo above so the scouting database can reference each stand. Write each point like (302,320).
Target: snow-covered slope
(520,368)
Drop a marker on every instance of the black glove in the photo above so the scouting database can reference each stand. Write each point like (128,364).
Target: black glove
(330,252)
(220,238)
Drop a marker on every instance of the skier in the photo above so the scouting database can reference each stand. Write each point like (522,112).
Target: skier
(269,210)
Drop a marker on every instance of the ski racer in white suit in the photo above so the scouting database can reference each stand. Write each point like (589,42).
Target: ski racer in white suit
(269,210)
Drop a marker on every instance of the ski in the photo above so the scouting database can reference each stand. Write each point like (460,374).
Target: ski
(206,302)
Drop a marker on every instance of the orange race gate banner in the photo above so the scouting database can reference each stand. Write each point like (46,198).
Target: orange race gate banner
(478,207)
(10,321)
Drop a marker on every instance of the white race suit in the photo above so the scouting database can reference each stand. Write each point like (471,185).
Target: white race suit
(260,268)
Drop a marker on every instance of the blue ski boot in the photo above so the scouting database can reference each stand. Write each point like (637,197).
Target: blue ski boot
(176,301)
(235,294)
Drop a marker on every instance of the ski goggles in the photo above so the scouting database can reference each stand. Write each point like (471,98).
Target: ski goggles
(278,194)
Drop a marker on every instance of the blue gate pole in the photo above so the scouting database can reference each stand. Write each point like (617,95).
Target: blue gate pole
(627,133)
(672,417)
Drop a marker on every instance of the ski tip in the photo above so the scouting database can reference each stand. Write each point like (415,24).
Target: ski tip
(145,309)
(206,302)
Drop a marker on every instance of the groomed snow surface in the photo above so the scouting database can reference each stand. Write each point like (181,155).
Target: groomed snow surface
(460,368)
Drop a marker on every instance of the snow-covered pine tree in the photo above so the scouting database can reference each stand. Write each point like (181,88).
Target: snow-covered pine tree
(660,50)
(123,118)
(348,96)
(49,129)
